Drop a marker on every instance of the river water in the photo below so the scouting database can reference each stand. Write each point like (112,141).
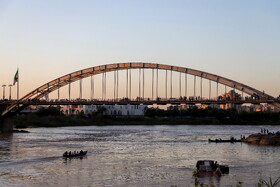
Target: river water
(133,156)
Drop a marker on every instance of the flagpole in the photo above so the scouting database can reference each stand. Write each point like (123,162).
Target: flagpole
(18,86)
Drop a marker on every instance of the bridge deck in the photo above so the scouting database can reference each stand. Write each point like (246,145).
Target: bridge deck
(138,102)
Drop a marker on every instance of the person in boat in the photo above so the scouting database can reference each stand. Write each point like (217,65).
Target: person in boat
(69,154)
(81,152)
(218,171)
(215,164)
(65,154)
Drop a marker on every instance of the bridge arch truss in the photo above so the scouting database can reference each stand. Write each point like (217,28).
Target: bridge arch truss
(84,73)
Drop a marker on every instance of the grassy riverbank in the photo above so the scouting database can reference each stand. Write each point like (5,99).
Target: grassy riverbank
(60,121)
(52,118)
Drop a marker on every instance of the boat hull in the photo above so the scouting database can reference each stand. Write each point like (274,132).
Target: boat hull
(210,166)
(76,155)
(223,141)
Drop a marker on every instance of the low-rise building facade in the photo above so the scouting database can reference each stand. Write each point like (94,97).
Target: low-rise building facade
(112,110)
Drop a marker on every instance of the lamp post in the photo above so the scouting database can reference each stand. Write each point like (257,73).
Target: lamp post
(10,96)
(3,91)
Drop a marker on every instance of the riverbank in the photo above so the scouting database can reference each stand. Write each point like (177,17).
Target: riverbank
(51,117)
(263,139)
(99,120)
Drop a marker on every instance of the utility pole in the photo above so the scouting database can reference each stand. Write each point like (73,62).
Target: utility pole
(10,96)
(3,91)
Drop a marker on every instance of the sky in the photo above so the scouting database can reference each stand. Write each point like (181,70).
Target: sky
(236,39)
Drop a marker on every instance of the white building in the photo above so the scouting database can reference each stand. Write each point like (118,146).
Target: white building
(114,110)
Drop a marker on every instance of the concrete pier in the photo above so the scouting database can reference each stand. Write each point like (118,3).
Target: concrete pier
(6,125)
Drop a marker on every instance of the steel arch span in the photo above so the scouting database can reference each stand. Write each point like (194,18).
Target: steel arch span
(84,73)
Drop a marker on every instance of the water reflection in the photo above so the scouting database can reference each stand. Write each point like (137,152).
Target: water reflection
(75,159)
(209,178)
(5,145)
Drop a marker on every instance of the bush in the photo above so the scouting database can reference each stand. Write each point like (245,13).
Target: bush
(50,111)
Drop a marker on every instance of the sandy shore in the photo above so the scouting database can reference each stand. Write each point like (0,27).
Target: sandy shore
(263,139)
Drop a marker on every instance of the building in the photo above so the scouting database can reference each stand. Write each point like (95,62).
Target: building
(112,110)
(231,95)
(247,108)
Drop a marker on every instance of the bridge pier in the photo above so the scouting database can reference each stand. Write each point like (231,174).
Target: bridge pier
(6,125)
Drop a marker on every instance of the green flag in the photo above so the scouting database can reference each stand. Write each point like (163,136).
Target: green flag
(16,78)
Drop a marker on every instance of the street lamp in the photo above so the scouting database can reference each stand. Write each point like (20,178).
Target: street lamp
(3,91)
(10,97)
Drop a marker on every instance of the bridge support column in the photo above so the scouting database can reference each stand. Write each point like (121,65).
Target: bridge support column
(92,88)
(117,84)
(186,85)
(201,87)
(130,84)
(143,89)
(157,84)
(209,89)
(69,91)
(127,83)
(166,84)
(225,92)
(217,91)
(6,125)
(139,79)
(171,84)
(180,82)
(194,84)
(114,85)
(152,84)
(81,88)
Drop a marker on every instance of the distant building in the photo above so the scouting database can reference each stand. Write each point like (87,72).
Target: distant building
(185,107)
(248,108)
(231,95)
(263,107)
(216,106)
(31,109)
(112,110)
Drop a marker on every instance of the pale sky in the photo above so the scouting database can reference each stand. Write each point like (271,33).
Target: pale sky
(236,39)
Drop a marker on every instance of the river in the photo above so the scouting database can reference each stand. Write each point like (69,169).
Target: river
(159,155)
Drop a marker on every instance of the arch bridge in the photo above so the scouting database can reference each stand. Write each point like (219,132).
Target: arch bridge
(34,96)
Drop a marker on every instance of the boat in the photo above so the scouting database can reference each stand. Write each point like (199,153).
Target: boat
(231,140)
(76,155)
(210,166)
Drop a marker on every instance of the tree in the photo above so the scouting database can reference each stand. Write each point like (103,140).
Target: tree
(50,111)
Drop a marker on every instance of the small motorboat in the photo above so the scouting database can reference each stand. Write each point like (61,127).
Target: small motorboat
(74,155)
(231,140)
(211,166)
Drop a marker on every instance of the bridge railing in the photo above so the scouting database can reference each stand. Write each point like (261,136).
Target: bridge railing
(139,99)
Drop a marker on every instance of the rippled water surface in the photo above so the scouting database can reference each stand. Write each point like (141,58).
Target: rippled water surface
(132,156)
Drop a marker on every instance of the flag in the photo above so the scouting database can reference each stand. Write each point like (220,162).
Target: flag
(16,78)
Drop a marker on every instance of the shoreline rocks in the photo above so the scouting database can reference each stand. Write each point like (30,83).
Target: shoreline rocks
(263,139)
